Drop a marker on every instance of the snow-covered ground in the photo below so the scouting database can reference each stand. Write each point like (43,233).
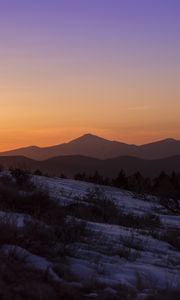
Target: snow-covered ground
(112,255)
(65,192)
(155,262)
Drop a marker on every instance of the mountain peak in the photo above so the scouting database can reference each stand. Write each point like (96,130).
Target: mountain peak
(170,140)
(88,137)
(94,146)
(92,136)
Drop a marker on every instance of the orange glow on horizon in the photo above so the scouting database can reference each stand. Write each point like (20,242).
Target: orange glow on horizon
(52,137)
(47,113)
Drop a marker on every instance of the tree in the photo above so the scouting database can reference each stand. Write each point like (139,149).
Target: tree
(22,177)
(121,180)
(38,172)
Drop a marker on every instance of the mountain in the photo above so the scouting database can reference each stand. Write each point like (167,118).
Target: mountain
(70,165)
(97,147)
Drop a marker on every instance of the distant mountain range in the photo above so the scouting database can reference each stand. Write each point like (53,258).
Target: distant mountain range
(97,147)
(70,165)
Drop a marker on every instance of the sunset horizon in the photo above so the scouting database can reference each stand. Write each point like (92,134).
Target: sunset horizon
(72,67)
(58,141)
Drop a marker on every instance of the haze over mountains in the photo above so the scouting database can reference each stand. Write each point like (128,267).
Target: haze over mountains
(97,147)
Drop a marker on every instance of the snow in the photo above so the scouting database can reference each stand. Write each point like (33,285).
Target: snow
(100,256)
(158,263)
(16,219)
(170,221)
(116,271)
(66,190)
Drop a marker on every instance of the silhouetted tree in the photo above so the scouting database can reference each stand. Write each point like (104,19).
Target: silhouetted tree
(38,172)
(97,178)
(63,176)
(80,176)
(147,185)
(166,187)
(22,177)
(136,183)
(121,180)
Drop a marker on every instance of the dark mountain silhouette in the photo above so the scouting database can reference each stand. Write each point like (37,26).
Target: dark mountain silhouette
(70,165)
(97,147)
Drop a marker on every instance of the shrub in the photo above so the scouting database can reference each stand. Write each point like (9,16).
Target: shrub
(22,178)
(172,237)
(38,173)
(148,221)
(6,179)
(1,168)
(95,206)
(38,238)
(17,281)
(69,232)
(9,232)
(129,247)
(36,203)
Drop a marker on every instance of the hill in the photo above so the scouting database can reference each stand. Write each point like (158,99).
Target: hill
(71,165)
(65,239)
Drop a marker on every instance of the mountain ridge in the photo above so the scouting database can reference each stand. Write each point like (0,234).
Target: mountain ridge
(101,148)
(70,165)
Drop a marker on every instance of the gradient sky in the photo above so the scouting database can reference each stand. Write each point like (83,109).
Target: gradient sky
(109,67)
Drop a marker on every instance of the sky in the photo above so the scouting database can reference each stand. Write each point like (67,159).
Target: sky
(107,67)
